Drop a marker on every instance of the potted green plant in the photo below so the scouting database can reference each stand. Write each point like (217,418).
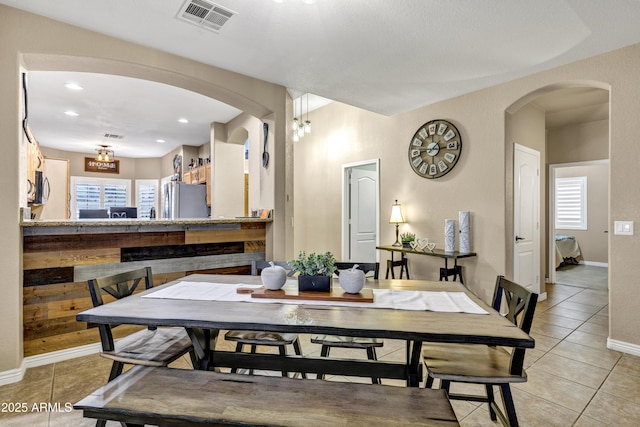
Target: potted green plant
(314,271)
(406,239)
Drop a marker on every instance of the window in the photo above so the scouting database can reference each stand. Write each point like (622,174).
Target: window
(99,193)
(571,203)
(146,196)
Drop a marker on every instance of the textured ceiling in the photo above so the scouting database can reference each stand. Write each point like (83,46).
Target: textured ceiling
(386,56)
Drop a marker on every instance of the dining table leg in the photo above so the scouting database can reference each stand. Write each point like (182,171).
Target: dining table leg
(414,367)
(203,342)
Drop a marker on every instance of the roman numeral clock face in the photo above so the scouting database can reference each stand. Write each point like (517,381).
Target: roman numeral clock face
(435,149)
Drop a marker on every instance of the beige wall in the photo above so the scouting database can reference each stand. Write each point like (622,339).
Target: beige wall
(578,143)
(228,174)
(593,241)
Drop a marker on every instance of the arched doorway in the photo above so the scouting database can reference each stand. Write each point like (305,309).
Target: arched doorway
(563,117)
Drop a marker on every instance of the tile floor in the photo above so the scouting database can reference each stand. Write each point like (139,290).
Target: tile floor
(574,380)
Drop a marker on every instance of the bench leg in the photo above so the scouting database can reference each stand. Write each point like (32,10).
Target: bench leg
(371,355)
(323,353)
(298,351)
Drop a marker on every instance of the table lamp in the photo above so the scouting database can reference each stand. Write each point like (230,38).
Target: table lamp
(396,218)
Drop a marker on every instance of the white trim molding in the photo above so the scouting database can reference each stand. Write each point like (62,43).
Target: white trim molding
(15,375)
(623,347)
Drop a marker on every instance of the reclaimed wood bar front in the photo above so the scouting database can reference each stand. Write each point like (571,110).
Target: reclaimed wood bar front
(60,256)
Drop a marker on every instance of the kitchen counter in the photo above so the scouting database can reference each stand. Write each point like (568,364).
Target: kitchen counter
(43,227)
(59,257)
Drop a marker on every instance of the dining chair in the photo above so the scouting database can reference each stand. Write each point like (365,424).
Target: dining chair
(335,341)
(269,339)
(149,347)
(482,364)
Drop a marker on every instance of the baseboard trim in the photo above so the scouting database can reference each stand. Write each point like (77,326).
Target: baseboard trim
(12,375)
(60,355)
(624,347)
(595,263)
(15,375)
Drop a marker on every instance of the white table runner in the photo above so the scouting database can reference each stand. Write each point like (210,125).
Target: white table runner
(447,302)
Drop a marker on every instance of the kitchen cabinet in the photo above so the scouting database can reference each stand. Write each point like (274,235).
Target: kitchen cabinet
(200,175)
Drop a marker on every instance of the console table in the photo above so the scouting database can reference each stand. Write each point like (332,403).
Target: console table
(455,271)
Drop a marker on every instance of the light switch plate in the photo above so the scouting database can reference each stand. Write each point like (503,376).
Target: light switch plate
(623,228)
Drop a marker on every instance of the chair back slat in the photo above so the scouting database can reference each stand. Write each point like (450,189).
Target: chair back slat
(258,266)
(520,306)
(119,285)
(367,267)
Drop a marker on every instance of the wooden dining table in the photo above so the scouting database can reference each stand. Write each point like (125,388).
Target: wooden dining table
(204,319)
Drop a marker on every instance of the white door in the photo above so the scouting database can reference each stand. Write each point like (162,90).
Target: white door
(361,214)
(526,217)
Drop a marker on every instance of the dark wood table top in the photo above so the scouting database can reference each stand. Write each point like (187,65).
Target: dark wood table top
(491,329)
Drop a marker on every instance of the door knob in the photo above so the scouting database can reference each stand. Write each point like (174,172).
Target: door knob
(519,238)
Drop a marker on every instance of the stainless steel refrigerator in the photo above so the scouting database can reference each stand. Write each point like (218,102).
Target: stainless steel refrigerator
(183,200)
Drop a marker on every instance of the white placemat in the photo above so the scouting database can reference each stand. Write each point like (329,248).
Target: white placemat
(447,302)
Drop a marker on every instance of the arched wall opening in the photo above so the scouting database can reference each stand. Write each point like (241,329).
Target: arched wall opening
(526,123)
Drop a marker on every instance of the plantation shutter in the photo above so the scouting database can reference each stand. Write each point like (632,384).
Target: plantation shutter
(571,203)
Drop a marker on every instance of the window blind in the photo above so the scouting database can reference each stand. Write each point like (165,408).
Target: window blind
(571,203)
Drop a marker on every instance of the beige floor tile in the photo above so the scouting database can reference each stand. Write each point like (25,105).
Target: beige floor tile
(565,312)
(590,309)
(613,410)
(555,389)
(585,421)
(589,340)
(544,343)
(554,319)
(570,369)
(28,419)
(602,358)
(534,411)
(531,356)
(630,364)
(599,319)
(550,330)
(593,328)
(623,385)
(593,298)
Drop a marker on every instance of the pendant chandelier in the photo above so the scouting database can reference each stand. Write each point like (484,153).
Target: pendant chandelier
(300,128)
(105,154)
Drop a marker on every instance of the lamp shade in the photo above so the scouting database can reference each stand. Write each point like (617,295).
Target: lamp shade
(396,214)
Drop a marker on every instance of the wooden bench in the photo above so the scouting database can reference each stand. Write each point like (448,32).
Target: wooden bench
(180,397)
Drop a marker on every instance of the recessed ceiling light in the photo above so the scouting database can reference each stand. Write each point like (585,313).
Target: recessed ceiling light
(73,86)
(183,120)
(161,141)
(71,113)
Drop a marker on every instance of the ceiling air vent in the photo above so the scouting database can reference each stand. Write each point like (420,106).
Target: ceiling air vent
(113,136)
(205,14)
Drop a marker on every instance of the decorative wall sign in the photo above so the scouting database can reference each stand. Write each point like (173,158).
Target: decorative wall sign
(94,165)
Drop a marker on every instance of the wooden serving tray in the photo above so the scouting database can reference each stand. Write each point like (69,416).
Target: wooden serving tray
(336,294)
